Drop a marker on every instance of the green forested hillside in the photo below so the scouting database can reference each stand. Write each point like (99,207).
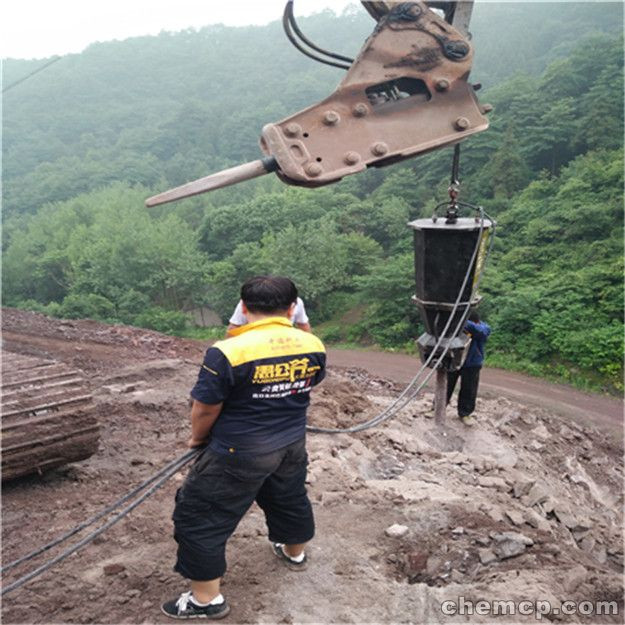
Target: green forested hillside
(86,141)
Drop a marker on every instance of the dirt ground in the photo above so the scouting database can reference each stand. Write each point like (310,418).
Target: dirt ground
(526,505)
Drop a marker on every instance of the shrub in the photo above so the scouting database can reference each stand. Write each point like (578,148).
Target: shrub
(166,321)
(86,306)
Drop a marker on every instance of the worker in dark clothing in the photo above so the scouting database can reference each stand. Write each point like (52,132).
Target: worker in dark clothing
(469,373)
(249,410)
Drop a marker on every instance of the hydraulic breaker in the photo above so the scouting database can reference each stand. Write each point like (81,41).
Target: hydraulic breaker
(406,93)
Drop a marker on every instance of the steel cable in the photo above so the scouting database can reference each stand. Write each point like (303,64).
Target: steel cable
(36,71)
(174,467)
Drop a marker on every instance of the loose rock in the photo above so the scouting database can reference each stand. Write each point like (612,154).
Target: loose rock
(588,544)
(494,513)
(113,569)
(565,517)
(515,516)
(541,431)
(601,555)
(574,578)
(492,482)
(522,487)
(510,544)
(486,556)
(396,531)
(535,520)
(537,494)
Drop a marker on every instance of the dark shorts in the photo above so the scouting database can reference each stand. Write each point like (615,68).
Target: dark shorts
(219,490)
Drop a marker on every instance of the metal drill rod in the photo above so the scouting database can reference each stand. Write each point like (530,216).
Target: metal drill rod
(224,178)
(440,397)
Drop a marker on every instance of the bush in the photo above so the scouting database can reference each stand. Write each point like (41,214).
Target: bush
(86,306)
(166,321)
(131,304)
(330,334)
(51,309)
(333,305)
(356,333)
(205,334)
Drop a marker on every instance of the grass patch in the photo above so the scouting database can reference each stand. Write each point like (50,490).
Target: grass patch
(561,373)
(213,333)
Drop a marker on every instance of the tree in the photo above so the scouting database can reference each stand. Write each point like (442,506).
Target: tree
(391,318)
(508,171)
(105,244)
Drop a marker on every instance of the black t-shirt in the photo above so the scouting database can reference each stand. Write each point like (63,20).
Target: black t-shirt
(263,375)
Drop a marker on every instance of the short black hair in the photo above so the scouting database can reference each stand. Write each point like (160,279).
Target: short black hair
(474,316)
(267,294)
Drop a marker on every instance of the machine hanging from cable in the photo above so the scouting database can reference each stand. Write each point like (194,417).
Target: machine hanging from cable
(439,352)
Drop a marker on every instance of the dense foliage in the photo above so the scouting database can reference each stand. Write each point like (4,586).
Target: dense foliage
(87,140)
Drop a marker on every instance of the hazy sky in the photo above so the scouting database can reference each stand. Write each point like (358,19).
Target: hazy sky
(41,28)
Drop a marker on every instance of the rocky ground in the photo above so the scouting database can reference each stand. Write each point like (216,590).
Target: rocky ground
(526,505)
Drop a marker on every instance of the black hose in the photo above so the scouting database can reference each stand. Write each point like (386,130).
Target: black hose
(97,517)
(308,42)
(174,468)
(293,40)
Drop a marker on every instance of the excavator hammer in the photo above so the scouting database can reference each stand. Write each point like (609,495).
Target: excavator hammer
(405,94)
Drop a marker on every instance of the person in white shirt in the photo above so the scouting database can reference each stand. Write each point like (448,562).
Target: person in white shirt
(299,318)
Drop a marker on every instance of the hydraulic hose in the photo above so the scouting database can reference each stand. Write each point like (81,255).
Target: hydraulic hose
(98,516)
(165,474)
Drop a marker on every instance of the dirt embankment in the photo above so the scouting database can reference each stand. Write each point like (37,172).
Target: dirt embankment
(526,505)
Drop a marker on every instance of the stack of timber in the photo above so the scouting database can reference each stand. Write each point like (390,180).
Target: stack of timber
(47,416)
